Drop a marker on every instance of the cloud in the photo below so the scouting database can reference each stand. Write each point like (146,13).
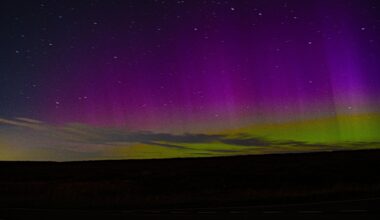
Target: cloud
(252,141)
(185,138)
(33,121)
(20,123)
(29,133)
(166,145)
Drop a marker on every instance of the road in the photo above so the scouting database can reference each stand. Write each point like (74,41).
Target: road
(358,207)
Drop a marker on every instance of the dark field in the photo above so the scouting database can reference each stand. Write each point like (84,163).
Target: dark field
(196,183)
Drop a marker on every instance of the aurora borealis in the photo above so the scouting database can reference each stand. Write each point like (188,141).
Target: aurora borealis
(93,79)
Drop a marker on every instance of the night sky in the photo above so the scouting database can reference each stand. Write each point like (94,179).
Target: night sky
(110,79)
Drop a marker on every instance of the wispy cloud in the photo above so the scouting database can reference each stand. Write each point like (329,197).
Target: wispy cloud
(29,133)
(22,122)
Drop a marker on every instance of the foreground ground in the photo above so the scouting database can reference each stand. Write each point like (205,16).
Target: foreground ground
(344,182)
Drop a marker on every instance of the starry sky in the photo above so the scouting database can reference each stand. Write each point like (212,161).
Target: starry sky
(122,79)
